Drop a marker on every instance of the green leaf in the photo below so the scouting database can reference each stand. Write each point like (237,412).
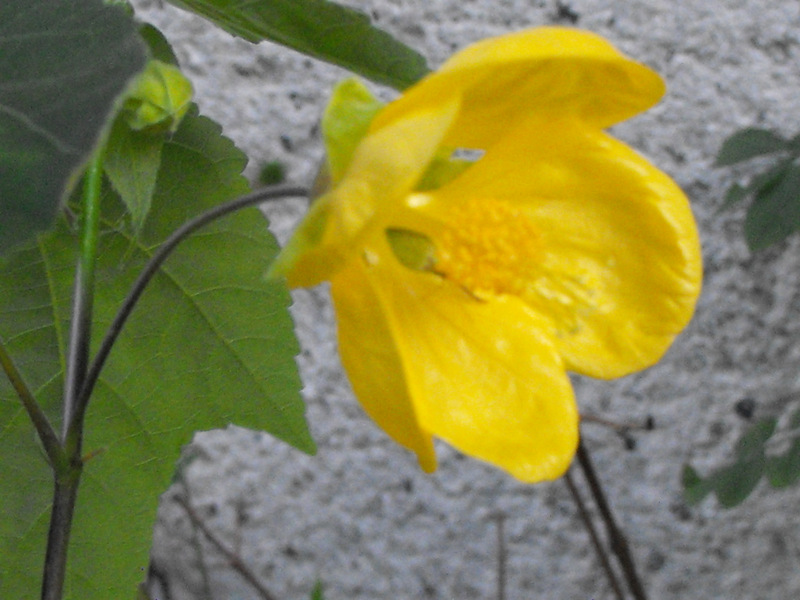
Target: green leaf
(414,250)
(131,163)
(775,212)
(345,123)
(735,194)
(734,483)
(784,470)
(62,65)
(695,489)
(210,343)
(160,48)
(319,28)
(749,143)
(317,592)
(751,444)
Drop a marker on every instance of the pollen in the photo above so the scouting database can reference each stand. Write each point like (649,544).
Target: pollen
(489,247)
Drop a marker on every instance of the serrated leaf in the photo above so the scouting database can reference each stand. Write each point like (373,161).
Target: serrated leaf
(211,343)
(62,65)
(749,143)
(775,212)
(319,28)
(784,470)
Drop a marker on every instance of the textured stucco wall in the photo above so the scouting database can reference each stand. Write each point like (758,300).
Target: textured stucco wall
(360,515)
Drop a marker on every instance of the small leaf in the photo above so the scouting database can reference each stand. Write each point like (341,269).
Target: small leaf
(775,212)
(794,420)
(751,444)
(319,28)
(694,488)
(442,170)
(413,250)
(733,484)
(783,471)
(62,66)
(317,592)
(749,143)
(160,48)
(346,121)
(272,173)
(735,194)
(131,163)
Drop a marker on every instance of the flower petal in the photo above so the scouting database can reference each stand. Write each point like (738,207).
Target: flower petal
(620,271)
(369,354)
(547,70)
(483,376)
(384,168)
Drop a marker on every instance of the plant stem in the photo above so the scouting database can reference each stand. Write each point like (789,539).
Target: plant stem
(55,564)
(502,557)
(68,473)
(47,435)
(83,297)
(233,559)
(617,539)
(593,536)
(163,252)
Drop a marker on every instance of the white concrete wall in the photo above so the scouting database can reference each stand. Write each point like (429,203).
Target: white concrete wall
(360,515)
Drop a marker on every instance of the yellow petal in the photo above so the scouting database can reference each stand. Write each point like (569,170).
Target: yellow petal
(620,268)
(369,355)
(385,167)
(483,376)
(546,71)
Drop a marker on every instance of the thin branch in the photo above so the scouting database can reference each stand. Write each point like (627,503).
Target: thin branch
(616,425)
(618,542)
(502,557)
(195,541)
(163,252)
(47,435)
(595,538)
(233,559)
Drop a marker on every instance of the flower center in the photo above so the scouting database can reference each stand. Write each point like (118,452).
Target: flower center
(489,248)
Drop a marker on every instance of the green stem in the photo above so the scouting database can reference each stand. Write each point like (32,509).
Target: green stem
(83,296)
(47,435)
(155,262)
(67,475)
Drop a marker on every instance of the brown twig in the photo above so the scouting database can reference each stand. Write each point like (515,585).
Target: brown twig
(593,536)
(617,426)
(500,518)
(234,560)
(617,539)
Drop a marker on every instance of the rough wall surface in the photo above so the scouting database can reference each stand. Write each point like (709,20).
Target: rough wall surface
(360,516)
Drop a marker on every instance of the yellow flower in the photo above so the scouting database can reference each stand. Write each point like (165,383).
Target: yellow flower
(466,289)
